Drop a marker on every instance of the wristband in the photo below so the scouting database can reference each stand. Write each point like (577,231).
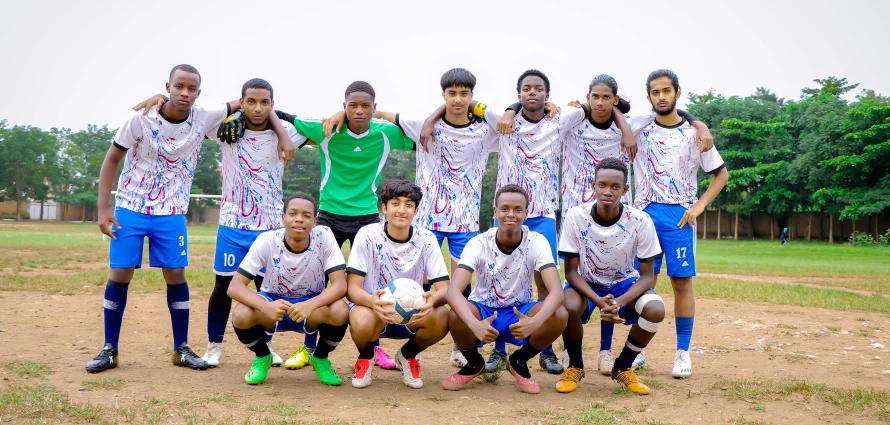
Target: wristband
(479,110)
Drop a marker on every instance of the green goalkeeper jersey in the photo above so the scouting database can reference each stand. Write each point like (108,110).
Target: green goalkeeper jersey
(351,164)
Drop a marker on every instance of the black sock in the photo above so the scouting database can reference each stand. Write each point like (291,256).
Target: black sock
(329,337)
(626,359)
(519,359)
(255,340)
(410,350)
(366,353)
(575,357)
(475,361)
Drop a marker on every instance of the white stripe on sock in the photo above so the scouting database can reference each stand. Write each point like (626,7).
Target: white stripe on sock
(180,305)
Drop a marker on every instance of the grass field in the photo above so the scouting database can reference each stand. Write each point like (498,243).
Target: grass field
(786,283)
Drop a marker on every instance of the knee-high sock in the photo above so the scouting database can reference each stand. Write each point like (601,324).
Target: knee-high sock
(684,332)
(114,304)
(254,339)
(626,359)
(178,304)
(607,329)
(329,337)
(218,309)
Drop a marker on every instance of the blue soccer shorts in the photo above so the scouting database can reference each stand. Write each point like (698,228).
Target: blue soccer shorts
(167,240)
(231,247)
(287,324)
(629,315)
(456,241)
(506,317)
(678,244)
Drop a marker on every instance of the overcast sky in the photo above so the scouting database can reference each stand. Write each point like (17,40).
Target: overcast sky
(69,64)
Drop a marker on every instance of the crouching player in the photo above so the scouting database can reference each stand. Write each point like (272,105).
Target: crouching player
(599,242)
(384,252)
(297,259)
(502,305)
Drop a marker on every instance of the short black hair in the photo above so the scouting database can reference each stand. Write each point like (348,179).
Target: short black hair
(458,77)
(511,188)
(398,188)
(609,81)
(187,68)
(658,73)
(360,86)
(301,196)
(257,83)
(536,73)
(611,163)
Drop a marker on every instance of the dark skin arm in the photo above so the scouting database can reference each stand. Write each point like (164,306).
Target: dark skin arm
(238,291)
(335,290)
(482,329)
(106,179)
(579,284)
(647,277)
(526,326)
(355,293)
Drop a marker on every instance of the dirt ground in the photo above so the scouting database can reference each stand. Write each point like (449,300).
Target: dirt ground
(731,341)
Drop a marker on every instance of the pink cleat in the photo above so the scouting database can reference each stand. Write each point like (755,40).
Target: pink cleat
(457,382)
(384,361)
(526,385)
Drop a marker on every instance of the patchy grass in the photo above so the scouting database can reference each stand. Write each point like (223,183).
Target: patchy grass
(437,398)
(871,400)
(797,295)
(28,368)
(600,414)
(103,383)
(390,402)
(491,377)
(44,403)
(740,420)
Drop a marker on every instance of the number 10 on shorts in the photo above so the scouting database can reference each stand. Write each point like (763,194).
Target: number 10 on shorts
(228,260)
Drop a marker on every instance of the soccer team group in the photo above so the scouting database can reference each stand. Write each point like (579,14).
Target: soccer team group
(612,239)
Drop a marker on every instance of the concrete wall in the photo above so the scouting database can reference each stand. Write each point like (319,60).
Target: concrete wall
(797,226)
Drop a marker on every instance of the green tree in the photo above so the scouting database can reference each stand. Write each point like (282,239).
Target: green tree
(832,86)
(28,164)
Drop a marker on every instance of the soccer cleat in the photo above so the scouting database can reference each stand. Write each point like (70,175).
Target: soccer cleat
(326,373)
(549,363)
(457,358)
(276,359)
(384,361)
(682,365)
(107,359)
(639,361)
(185,357)
(606,362)
(526,385)
(259,369)
(497,361)
(410,371)
(629,379)
(457,382)
(364,373)
(299,358)
(568,382)
(213,353)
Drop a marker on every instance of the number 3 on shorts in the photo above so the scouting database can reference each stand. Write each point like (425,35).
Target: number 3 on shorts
(181,240)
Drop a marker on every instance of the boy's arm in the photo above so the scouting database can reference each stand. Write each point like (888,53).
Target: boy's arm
(106,180)
(429,127)
(628,141)
(311,129)
(355,292)
(335,290)
(238,291)
(721,176)
(455,297)
(286,149)
(578,283)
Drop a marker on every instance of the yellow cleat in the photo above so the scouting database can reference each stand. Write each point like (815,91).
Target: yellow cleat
(568,382)
(629,379)
(299,358)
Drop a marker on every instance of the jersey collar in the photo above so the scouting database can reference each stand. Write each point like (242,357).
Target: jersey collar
(606,223)
(410,233)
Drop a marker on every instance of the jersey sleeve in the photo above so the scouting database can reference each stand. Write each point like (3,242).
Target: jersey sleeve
(639,122)
(359,256)
(648,248)
(491,141)
(492,118)
(569,245)
(471,254)
(572,117)
(310,128)
(411,128)
(711,161)
(214,117)
(298,139)
(257,256)
(129,134)
(398,139)
(333,257)
(434,263)
(539,249)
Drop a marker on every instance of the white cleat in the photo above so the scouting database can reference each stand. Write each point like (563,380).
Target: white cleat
(364,373)
(457,358)
(606,362)
(682,365)
(640,361)
(276,359)
(213,353)
(410,371)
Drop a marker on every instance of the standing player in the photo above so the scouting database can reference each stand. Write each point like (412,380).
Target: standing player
(251,202)
(600,242)
(384,252)
(299,260)
(502,305)
(351,162)
(161,150)
(449,170)
(665,171)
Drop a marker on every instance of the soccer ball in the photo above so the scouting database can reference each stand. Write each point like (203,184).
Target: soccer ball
(408,297)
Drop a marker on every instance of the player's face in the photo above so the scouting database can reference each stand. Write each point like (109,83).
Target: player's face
(299,218)
(601,100)
(609,186)
(359,107)
(400,211)
(512,208)
(457,99)
(257,105)
(184,88)
(663,96)
(532,93)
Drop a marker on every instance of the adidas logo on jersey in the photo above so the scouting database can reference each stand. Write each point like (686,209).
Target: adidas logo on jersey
(357,149)
(182,253)
(685,264)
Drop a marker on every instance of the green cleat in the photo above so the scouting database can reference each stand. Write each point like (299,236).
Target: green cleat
(258,370)
(326,373)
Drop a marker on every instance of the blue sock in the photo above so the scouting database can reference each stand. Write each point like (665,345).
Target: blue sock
(500,346)
(547,350)
(684,332)
(311,341)
(115,302)
(606,331)
(216,325)
(178,304)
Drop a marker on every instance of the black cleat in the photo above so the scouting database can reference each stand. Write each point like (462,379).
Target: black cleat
(497,361)
(185,357)
(549,363)
(107,359)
